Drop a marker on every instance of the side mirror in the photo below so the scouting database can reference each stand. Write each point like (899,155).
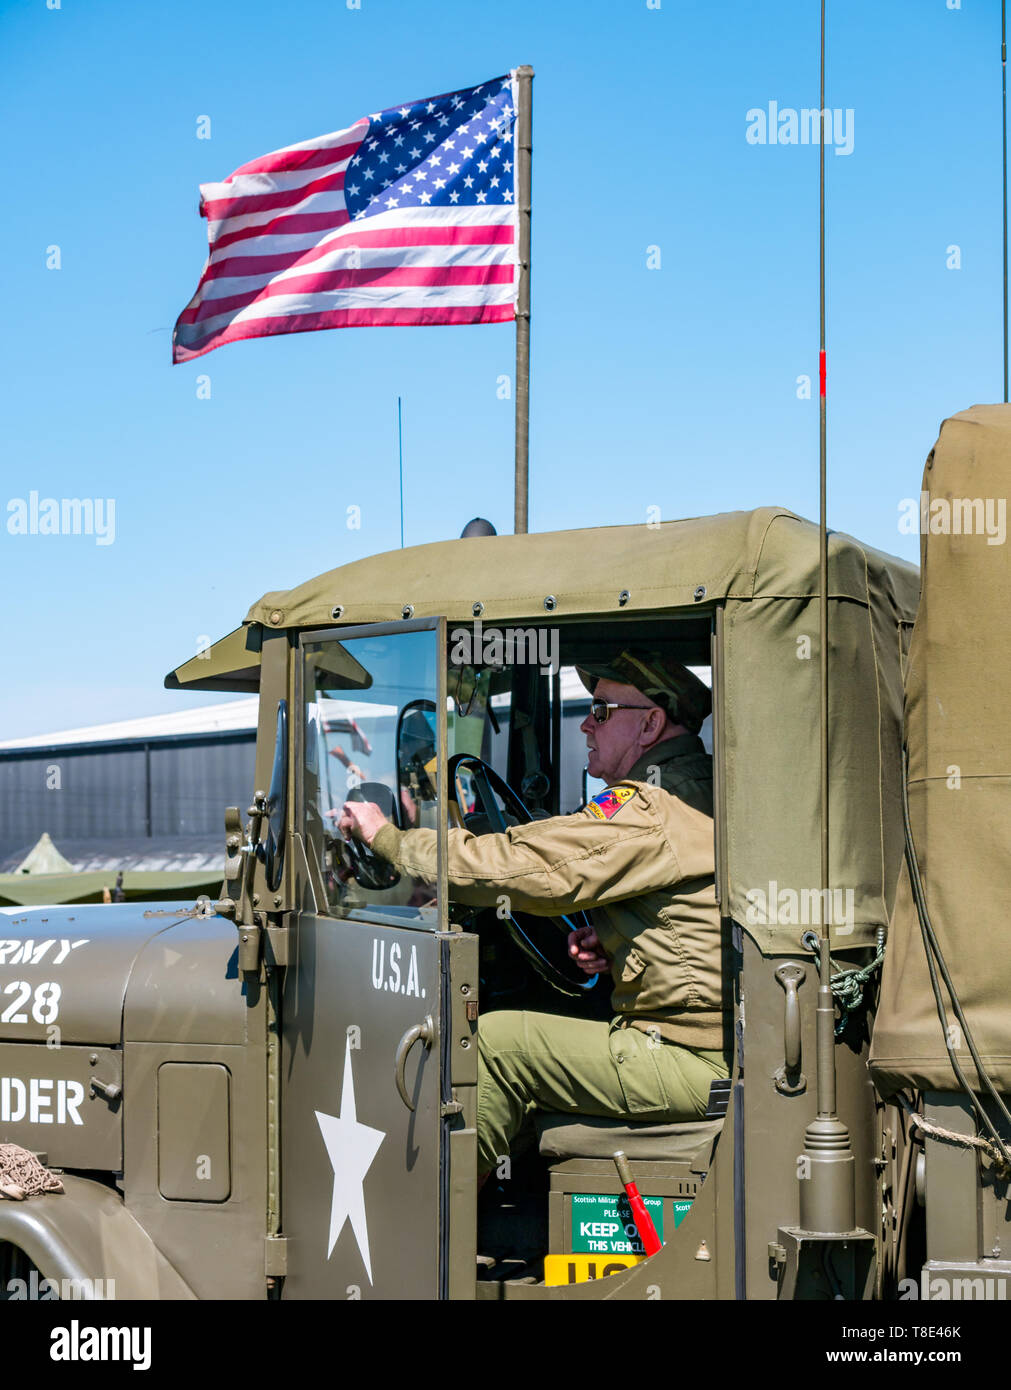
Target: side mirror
(277,803)
(416,742)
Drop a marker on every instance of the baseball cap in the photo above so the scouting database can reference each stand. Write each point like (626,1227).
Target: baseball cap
(660,678)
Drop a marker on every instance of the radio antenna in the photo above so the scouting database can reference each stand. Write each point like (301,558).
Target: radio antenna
(827,1189)
(1003,94)
(400,452)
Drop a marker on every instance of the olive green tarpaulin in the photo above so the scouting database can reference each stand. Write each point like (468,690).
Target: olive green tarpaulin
(762,566)
(771,733)
(36,890)
(958,732)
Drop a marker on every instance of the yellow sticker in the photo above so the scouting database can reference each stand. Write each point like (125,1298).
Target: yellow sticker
(580,1269)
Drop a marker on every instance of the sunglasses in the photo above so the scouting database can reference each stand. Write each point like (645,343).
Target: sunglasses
(601,709)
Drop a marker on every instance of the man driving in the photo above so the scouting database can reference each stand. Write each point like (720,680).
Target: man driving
(639,857)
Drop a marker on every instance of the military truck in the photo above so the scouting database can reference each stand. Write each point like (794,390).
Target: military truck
(272,1095)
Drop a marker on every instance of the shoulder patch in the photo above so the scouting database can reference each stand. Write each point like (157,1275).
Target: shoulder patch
(608,803)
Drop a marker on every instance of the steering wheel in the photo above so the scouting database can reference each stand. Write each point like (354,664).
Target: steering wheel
(540,939)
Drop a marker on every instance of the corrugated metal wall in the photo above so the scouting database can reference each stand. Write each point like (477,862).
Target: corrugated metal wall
(166,788)
(191,784)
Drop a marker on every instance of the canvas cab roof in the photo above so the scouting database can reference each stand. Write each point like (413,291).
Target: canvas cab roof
(673,564)
(766,553)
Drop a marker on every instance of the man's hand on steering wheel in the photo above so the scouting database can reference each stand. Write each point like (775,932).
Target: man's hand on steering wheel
(362,819)
(586,950)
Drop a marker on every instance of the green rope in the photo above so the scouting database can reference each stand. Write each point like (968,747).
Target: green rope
(848,985)
(848,989)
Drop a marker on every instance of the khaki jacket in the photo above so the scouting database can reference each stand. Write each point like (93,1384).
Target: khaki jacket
(640,858)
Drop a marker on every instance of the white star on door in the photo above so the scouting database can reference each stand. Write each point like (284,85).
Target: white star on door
(351,1148)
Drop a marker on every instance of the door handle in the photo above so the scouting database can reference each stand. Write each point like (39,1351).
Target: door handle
(789,1078)
(419,1032)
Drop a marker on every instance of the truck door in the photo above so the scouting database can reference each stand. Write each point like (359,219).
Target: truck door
(378,1044)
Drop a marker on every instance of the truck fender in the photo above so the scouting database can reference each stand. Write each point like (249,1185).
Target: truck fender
(85,1234)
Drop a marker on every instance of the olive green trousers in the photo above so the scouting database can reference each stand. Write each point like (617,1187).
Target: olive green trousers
(532,1061)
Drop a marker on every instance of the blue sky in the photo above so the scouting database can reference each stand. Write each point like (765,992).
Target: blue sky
(673,387)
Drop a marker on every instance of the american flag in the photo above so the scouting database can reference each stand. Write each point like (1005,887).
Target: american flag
(407,217)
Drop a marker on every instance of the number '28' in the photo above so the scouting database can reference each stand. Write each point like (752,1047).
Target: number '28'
(45,1005)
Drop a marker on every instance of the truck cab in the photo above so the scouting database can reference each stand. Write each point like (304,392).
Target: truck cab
(274,1095)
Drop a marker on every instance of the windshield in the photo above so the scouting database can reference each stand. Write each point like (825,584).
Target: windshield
(370,735)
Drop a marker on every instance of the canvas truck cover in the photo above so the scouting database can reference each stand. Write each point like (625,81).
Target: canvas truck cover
(958,733)
(771,739)
(762,568)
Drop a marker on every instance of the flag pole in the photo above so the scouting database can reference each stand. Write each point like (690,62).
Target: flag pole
(524,150)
